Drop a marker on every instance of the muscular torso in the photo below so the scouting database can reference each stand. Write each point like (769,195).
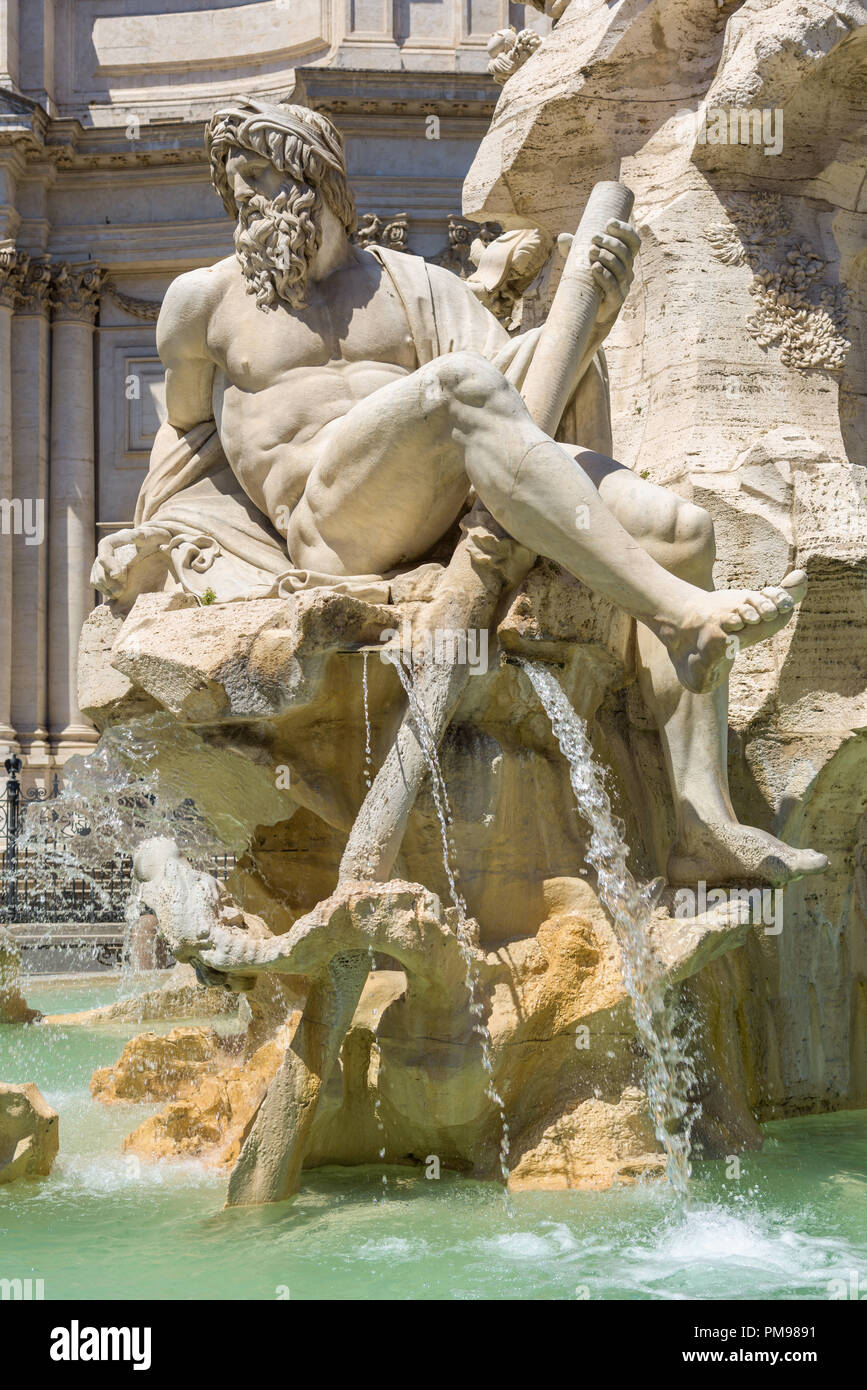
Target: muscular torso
(284,378)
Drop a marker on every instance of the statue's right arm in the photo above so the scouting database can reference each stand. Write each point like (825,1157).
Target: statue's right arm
(182,345)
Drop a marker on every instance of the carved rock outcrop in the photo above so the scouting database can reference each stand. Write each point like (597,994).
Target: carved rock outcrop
(13,1005)
(738,378)
(413,1078)
(29,1133)
(159,1066)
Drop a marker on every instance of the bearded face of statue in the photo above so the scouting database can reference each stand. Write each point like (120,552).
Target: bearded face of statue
(278,232)
(276,241)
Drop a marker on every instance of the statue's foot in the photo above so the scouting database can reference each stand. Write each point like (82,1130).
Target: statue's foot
(727,852)
(702,648)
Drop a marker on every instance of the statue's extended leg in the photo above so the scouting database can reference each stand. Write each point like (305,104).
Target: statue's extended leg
(396,469)
(710,845)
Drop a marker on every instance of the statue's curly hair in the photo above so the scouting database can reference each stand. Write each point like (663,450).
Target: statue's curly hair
(299,142)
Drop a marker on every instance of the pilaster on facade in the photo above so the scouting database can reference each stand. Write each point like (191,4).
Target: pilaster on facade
(75,292)
(12,266)
(30,376)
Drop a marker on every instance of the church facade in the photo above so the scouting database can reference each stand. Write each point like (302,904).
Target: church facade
(105,198)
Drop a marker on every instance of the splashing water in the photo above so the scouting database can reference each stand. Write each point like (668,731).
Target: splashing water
(73,851)
(670,1076)
(428,746)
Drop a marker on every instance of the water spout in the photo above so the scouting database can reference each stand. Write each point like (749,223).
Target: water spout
(428,746)
(670,1076)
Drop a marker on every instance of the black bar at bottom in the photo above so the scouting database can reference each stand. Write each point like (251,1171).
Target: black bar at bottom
(204,1339)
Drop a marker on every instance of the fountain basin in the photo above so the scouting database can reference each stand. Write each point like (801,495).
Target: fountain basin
(792,1222)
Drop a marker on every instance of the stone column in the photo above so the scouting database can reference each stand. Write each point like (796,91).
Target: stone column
(30,385)
(9,26)
(12,265)
(72,512)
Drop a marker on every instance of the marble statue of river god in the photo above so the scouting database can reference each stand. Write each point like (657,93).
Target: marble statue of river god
(332,410)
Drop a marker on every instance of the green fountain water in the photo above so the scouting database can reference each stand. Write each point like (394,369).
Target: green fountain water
(106,1226)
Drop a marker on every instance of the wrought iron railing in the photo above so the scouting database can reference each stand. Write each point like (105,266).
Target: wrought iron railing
(34,885)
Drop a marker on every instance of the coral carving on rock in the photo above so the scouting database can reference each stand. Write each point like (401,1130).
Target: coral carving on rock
(797,310)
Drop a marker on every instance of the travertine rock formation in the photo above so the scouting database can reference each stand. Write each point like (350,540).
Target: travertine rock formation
(413,1078)
(243,691)
(160,1066)
(738,378)
(29,1133)
(211,1119)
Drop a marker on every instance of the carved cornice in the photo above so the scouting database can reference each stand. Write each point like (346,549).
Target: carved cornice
(67,156)
(167,138)
(353,92)
(394,232)
(374,230)
(75,292)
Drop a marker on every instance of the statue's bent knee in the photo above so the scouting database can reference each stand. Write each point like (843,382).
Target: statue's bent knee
(464,378)
(694,532)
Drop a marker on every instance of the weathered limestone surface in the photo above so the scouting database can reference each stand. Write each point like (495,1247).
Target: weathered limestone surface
(738,378)
(243,690)
(29,1133)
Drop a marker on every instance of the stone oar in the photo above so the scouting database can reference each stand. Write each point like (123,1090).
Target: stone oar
(486,564)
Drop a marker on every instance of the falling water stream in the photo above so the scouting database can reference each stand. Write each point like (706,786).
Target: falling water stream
(427,743)
(670,1075)
(368,757)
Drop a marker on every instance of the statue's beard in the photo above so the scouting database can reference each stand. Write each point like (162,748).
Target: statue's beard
(276,242)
